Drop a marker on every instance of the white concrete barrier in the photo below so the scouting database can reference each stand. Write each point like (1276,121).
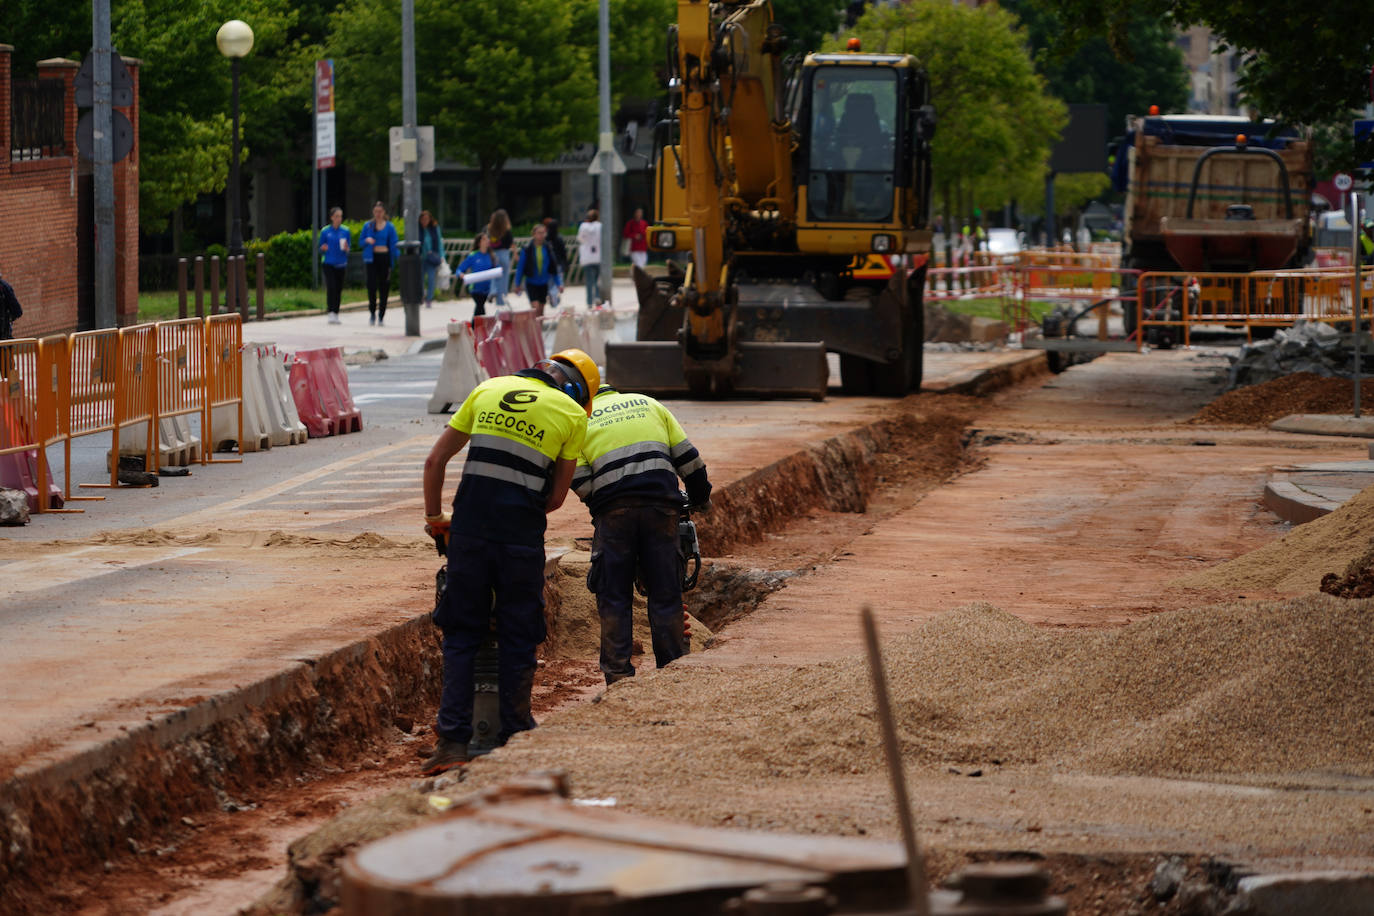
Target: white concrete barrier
(283,424)
(460,372)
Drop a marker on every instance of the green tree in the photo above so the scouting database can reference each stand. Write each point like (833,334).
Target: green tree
(1149,71)
(1306,62)
(498,79)
(639,43)
(997,122)
(808,23)
(184,89)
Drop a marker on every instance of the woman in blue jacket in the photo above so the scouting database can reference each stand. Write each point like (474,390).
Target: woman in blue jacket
(379,244)
(480,259)
(334,241)
(431,253)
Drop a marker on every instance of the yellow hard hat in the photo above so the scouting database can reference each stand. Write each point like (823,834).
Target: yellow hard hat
(584,372)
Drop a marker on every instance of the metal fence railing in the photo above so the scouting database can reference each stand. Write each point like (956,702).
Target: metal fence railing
(38,119)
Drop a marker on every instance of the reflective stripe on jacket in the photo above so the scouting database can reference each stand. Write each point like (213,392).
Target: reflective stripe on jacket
(519,427)
(634,453)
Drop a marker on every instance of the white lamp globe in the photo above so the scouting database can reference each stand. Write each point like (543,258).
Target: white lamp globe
(234,38)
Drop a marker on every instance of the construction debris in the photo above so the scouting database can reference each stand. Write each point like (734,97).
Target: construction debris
(14,507)
(1308,346)
(1300,393)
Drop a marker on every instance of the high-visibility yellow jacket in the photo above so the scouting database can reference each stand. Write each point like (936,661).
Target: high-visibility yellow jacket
(635,451)
(520,426)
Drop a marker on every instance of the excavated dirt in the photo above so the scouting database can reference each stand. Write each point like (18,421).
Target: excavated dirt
(1356,582)
(1201,726)
(1301,392)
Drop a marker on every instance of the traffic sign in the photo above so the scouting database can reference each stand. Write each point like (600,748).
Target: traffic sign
(617,164)
(1342,181)
(121,83)
(123,137)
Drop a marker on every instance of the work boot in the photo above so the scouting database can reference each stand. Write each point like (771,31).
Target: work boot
(447,755)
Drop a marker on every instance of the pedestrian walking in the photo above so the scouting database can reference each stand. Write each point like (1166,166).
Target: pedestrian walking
(538,270)
(431,253)
(334,241)
(523,433)
(502,244)
(10,310)
(628,472)
(560,250)
(379,242)
(636,237)
(480,259)
(589,255)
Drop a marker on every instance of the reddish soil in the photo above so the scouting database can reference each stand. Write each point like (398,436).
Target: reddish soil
(1301,392)
(1076,502)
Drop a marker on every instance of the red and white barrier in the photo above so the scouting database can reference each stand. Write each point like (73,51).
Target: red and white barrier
(460,372)
(319,385)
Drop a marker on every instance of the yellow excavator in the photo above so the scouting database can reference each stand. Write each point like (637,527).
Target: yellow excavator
(797,196)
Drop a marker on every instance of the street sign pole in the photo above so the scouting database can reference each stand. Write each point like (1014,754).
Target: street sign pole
(1355,252)
(102,163)
(606,153)
(315,182)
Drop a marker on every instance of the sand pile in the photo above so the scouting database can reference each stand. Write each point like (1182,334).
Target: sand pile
(1301,392)
(1297,561)
(1248,690)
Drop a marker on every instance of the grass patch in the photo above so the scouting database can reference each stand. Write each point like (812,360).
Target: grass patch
(163,305)
(991,307)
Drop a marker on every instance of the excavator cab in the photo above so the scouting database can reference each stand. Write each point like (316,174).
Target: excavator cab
(794,210)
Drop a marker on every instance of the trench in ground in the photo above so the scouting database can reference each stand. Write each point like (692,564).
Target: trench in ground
(137,828)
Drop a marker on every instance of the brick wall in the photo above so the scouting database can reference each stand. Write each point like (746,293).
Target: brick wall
(39,200)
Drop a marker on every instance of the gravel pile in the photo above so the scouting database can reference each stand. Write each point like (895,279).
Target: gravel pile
(1313,347)
(1297,561)
(1302,392)
(1253,690)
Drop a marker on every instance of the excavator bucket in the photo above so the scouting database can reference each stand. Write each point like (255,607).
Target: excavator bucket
(656,363)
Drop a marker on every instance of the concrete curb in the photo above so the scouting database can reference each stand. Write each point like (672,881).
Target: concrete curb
(1331,893)
(1318,424)
(1293,504)
(1017,367)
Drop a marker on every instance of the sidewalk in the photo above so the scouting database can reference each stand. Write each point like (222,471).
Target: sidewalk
(313,331)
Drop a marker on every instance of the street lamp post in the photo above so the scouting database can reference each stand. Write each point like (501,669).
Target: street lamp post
(235,40)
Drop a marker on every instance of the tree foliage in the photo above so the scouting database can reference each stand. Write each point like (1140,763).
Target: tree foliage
(1149,71)
(808,23)
(498,79)
(639,43)
(1306,62)
(997,121)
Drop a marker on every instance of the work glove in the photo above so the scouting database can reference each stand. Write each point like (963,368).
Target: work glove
(436,526)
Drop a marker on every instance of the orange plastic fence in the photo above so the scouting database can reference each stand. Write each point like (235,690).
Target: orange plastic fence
(109,381)
(223,380)
(1266,298)
(23,463)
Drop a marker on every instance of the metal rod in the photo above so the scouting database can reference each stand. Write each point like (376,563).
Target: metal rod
(915,864)
(1355,253)
(102,167)
(236,227)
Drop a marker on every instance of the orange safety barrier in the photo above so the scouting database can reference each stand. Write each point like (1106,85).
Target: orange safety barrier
(113,377)
(23,459)
(1261,299)
(180,382)
(964,282)
(319,386)
(223,380)
(1047,257)
(1073,282)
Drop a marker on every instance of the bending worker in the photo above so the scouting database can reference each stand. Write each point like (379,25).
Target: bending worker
(524,433)
(634,454)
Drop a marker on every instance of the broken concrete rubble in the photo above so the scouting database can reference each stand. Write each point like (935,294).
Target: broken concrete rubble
(1308,346)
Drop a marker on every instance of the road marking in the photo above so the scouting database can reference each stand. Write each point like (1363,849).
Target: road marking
(215,515)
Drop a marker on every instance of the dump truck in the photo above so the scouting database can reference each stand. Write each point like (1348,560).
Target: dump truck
(792,198)
(1213,194)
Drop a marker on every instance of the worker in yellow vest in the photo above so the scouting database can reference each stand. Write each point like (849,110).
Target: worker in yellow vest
(634,453)
(523,433)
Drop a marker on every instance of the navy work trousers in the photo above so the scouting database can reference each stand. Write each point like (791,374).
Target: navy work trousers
(642,538)
(487,581)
